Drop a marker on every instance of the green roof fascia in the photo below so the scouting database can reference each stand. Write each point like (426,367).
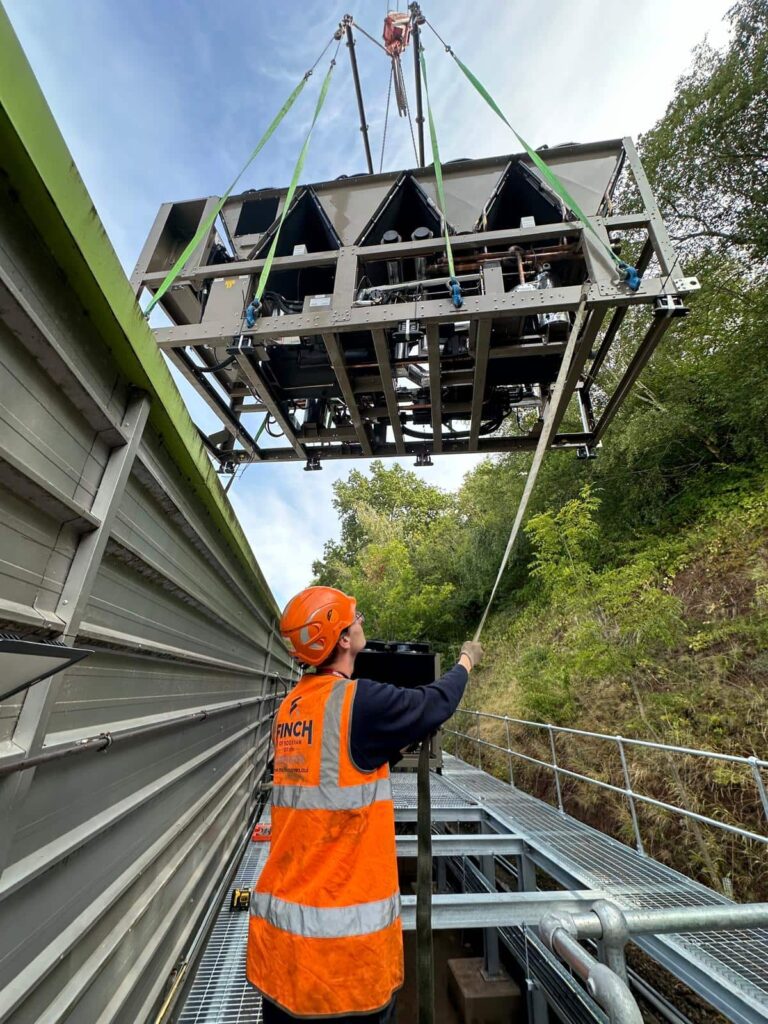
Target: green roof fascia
(41,171)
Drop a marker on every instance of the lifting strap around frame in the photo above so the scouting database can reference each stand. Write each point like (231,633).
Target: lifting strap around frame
(253,308)
(628,274)
(454,286)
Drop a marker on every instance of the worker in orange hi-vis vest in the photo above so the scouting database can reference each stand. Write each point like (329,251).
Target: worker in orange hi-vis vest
(325,937)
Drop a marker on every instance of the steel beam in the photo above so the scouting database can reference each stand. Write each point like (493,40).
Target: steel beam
(464,846)
(527,349)
(443,814)
(475,239)
(345,279)
(263,394)
(140,277)
(498,909)
(366,318)
(486,445)
(482,345)
(368,382)
(196,261)
(359,95)
(336,357)
(433,353)
(662,244)
(382,356)
(644,352)
(580,355)
(214,401)
(493,287)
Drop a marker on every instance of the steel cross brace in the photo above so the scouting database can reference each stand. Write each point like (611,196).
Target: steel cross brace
(464,846)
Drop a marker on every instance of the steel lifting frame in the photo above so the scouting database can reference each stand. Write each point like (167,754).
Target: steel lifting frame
(606,294)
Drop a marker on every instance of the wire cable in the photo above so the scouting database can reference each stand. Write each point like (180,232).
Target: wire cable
(369,36)
(386,120)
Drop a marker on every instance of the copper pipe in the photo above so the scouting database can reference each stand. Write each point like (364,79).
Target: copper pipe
(517,252)
(559,252)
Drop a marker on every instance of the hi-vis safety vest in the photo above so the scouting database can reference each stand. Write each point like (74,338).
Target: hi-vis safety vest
(325,937)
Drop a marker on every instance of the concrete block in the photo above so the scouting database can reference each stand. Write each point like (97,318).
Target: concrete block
(481,1000)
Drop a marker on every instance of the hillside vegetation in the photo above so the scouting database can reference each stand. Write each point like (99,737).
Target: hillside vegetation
(635,603)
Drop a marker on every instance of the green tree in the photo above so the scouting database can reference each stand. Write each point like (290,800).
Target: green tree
(395,493)
(707,158)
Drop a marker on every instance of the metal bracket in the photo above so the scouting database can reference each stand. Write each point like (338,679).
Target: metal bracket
(669,306)
(687,284)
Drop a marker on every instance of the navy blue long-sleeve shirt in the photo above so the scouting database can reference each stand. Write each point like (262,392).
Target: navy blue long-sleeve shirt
(386,718)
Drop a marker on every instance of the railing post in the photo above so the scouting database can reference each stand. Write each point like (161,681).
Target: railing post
(509,752)
(630,795)
(555,767)
(479,745)
(760,784)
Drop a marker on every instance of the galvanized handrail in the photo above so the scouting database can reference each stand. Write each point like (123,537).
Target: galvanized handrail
(754,764)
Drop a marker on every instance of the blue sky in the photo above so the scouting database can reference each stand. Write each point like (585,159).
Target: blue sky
(163,99)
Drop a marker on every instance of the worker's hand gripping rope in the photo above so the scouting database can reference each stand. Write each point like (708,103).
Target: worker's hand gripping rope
(474,651)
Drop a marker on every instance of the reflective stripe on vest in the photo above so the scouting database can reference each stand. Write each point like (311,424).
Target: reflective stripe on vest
(326,922)
(336,798)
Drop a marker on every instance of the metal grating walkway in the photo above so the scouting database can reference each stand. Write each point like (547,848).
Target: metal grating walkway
(442,792)
(735,962)
(220,993)
(729,968)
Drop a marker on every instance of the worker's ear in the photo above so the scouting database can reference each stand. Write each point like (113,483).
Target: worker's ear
(344,640)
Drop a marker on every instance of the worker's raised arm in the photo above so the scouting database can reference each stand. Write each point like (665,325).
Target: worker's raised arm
(386,718)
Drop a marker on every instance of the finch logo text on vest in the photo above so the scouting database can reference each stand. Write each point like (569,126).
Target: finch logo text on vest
(295,730)
(294,705)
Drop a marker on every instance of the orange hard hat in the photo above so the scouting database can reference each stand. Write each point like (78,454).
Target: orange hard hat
(314,620)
